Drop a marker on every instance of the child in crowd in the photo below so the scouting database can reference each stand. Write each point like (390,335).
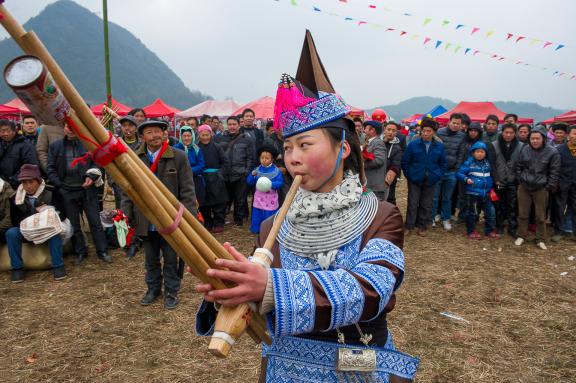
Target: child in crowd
(475,172)
(268,180)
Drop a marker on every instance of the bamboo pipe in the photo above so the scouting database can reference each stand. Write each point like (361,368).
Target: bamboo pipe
(140,202)
(231,321)
(32,45)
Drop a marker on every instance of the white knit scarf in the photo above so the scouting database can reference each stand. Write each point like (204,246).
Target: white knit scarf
(318,224)
(21,193)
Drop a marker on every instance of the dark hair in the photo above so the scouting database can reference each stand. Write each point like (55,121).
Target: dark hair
(248,110)
(397,125)
(192,118)
(204,118)
(30,116)
(269,124)
(8,123)
(525,125)
(492,117)
(233,118)
(215,118)
(136,110)
(455,116)
(354,161)
(466,119)
(515,116)
(570,128)
(357,119)
(509,126)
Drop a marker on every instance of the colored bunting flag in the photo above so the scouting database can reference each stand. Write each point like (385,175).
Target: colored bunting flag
(426,40)
(427,21)
(447,46)
(361,23)
(403,33)
(560,46)
(459,26)
(467,50)
(438,43)
(474,30)
(457,49)
(520,38)
(445,22)
(489,34)
(317,9)
(509,35)
(547,44)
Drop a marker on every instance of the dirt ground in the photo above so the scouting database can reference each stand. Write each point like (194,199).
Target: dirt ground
(518,310)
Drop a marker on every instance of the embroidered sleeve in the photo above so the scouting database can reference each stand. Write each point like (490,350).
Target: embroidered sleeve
(321,300)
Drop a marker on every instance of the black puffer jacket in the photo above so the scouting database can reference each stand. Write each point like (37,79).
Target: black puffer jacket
(538,169)
(241,152)
(454,147)
(568,167)
(13,155)
(505,168)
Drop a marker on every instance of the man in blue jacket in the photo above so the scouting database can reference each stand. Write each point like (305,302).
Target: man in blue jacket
(454,145)
(423,164)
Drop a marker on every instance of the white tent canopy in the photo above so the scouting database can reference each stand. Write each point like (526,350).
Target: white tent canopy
(211,108)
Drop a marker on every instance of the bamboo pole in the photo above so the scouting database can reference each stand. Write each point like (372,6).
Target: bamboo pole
(32,45)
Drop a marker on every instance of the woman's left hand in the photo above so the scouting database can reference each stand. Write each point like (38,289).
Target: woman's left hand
(250,278)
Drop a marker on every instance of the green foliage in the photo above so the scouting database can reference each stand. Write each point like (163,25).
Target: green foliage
(74,36)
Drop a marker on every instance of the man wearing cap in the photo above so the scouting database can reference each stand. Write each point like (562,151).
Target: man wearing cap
(76,182)
(30,198)
(172,168)
(374,155)
(15,151)
(128,130)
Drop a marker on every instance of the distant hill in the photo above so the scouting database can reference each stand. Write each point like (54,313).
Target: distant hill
(74,37)
(415,105)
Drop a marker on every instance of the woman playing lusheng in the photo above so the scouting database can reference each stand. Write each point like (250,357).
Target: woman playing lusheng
(337,260)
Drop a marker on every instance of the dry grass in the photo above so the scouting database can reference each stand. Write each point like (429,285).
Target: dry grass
(520,312)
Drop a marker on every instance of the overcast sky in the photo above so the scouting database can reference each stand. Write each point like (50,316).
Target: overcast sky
(239,48)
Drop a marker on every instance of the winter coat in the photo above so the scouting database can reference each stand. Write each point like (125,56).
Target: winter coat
(175,173)
(538,169)
(5,217)
(376,169)
(394,151)
(421,166)
(196,160)
(477,171)
(25,210)
(58,167)
(241,153)
(454,146)
(504,170)
(567,167)
(13,155)
(256,134)
(48,134)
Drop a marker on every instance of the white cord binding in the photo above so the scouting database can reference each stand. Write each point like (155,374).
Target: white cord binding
(225,337)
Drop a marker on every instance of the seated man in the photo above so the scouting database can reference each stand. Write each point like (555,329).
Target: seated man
(29,199)
(6,192)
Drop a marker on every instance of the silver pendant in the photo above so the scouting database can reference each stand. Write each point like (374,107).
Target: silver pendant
(356,359)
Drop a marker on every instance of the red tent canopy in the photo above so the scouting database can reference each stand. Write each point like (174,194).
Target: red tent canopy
(122,109)
(160,109)
(569,117)
(477,111)
(8,110)
(262,107)
(18,104)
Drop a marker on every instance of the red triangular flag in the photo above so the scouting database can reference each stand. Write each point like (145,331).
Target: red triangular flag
(509,35)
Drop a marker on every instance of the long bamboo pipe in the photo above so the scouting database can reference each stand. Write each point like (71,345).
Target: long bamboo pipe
(32,45)
(231,322)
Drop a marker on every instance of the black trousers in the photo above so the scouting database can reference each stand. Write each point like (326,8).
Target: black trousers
(238,195)
(419,209)
(507,208)
(155,249)
(214,215)
(76,202)
(392,192)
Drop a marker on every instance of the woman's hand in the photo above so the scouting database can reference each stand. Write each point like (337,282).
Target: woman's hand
(250,278)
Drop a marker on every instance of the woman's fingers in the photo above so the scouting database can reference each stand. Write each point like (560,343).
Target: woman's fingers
(240,267)
(227,275)
(233,292)
(235,253)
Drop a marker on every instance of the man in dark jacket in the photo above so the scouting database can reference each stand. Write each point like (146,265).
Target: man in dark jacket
(506,150)
(566,196)
(538,173)
(171,166)
(491,127)
(248,117)
(15,151)
(423,164)
(394,151)
(30,198)
(374,155)
(76,182)
(453,139)
(241,152)
(30,129)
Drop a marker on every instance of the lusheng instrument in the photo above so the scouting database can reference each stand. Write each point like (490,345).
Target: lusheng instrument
(188,237)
